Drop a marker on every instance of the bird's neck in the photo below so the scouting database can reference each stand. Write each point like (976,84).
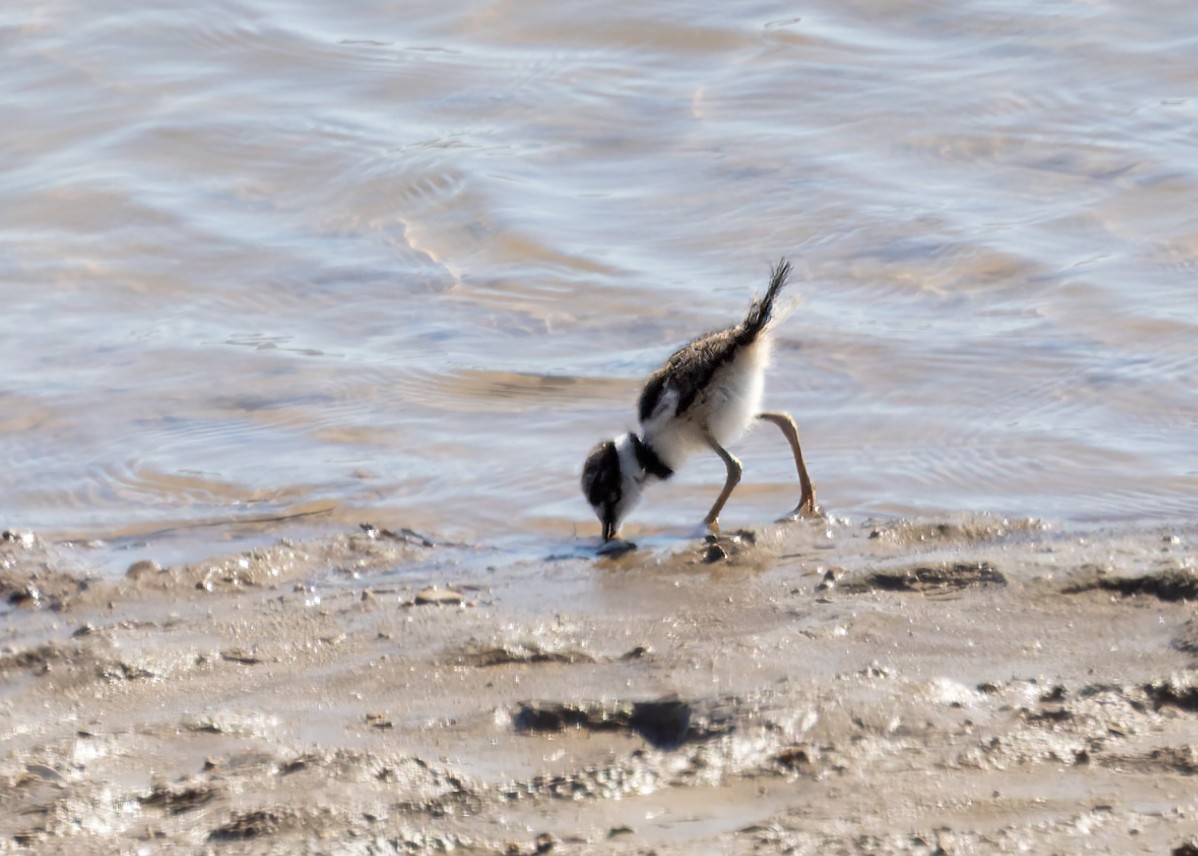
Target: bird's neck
(649,460)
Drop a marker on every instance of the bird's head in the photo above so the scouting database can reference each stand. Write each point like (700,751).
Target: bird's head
(612,481)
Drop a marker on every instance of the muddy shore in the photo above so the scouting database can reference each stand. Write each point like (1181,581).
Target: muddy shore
(965,685)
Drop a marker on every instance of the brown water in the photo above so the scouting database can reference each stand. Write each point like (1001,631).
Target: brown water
(407,262)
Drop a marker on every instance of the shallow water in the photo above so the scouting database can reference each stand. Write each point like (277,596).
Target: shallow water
(408,262)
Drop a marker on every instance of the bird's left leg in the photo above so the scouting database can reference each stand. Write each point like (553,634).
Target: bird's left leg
(730,483)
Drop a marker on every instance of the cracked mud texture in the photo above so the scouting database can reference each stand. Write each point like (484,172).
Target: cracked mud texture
(960,686)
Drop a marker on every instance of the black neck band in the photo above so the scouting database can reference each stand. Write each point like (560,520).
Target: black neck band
(649,460)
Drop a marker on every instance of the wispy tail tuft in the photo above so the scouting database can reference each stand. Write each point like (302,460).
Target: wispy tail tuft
(762,310)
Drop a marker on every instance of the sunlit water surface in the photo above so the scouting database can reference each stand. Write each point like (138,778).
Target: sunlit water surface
(326,262)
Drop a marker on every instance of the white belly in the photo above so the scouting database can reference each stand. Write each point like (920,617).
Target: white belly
(733,398)
(724,409)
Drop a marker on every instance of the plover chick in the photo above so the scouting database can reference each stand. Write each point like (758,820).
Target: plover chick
(706,395)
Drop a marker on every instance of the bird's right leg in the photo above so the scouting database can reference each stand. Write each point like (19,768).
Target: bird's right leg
(786,424)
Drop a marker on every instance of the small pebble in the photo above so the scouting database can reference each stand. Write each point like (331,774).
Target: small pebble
(714,553)
(26,595)
(143,568)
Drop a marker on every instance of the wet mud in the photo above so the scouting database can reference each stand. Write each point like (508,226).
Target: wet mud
(973,685)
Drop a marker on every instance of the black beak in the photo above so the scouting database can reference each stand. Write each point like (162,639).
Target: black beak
(609,530)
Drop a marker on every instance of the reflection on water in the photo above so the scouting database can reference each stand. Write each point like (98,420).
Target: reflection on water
(260,258)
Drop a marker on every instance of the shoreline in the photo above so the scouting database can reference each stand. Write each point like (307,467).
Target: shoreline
(956,685)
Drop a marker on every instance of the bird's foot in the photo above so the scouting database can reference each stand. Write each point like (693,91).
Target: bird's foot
(805,510)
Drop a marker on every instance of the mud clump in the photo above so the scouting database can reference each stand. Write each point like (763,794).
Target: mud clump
(254,824)
(483,656)
(973,529)
(182,797)
(798,758)
(1179,759)
(72,665)
(40,588)
(39,660)
(439,597)
(721,548)
(927,579)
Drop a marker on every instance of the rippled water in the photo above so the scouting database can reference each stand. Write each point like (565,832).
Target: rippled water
(407,262)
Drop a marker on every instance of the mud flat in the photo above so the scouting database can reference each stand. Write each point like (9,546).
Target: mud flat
(973,685)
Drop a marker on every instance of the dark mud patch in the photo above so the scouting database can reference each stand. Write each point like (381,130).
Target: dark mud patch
(663,724)
(1180,759)
(1179,691)
(182,796)
(614,548)
(926,579)
(1174,584)
(1187,639)
(254,824)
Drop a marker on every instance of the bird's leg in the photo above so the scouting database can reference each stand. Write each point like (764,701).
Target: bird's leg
(786,424)
(734,471)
